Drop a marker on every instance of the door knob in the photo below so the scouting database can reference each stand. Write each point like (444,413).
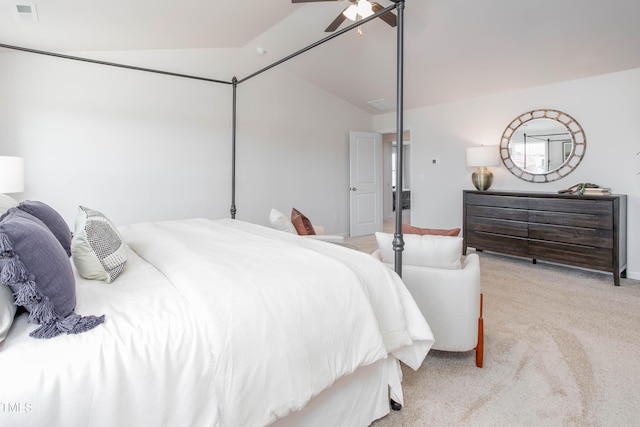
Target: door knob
(353,189)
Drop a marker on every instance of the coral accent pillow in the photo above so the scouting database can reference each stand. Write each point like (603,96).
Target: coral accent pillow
(410,229)
(301,223)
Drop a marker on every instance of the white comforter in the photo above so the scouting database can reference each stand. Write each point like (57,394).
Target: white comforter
(215,323)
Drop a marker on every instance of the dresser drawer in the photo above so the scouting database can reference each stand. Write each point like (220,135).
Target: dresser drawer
(498,201)
(497,212)
(496,242)
(604,222)
(580,256)
(498,226)
(595,207)
(591,237)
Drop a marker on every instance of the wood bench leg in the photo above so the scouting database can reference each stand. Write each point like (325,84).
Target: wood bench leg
(480,345)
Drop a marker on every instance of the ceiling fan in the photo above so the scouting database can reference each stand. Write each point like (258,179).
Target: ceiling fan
(357,10)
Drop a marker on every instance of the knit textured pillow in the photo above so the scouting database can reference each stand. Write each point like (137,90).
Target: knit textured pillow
(97,248)
(38,271)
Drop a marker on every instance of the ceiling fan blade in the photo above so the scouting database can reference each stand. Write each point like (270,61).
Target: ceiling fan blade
(388,17)
(336,22)
(308,1)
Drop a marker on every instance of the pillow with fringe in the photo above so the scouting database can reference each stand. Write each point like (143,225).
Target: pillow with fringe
(38,271)
(98,250)
(52,219)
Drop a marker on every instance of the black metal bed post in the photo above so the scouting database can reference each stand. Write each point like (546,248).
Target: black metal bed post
(398,241)
(233,209)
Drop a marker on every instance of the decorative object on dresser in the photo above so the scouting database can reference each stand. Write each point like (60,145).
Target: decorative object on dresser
(588,231)
(542,145)
(482,157)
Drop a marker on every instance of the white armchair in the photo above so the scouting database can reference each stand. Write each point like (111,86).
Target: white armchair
(449,297)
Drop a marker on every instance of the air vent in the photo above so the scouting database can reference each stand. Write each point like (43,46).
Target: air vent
(25,12)
(382,105)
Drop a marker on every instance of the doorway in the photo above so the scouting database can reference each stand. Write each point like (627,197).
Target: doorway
(389,175)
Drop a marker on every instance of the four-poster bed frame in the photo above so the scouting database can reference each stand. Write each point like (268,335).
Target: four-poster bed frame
(398,242)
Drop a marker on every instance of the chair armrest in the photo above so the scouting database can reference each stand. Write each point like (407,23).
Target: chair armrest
(326,238)
(449,300)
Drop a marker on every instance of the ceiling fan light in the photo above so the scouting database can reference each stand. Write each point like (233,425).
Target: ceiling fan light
(365,9)
(351,12)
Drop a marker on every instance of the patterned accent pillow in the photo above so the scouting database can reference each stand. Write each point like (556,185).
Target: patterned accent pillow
(301,223)
(52,219)
(38,271)
(98,250)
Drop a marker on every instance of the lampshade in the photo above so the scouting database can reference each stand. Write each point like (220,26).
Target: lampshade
(365,9)
(483,155)
(351,12)
(11,174)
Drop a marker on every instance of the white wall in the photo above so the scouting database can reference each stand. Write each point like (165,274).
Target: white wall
(607,107)
(140,146)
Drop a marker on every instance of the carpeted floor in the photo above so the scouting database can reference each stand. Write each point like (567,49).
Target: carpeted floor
(562,348)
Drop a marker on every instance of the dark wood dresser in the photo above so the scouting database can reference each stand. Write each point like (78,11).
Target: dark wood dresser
(583,231)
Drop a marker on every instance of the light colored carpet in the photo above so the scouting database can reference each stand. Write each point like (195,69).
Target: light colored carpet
(562,348)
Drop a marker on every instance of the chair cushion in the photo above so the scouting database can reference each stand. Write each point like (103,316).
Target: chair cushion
(423,250)
(301,223)
(410,229)
(279,221)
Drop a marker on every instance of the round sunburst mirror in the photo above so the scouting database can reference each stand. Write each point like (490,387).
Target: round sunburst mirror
(542,145)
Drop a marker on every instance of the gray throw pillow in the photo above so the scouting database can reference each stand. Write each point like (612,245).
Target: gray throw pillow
(38,271)
(52,219)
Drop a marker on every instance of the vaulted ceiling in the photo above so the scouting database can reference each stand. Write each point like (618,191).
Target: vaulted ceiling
(454,49)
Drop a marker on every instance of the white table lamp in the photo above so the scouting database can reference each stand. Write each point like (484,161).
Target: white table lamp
(481,157)
(11,174)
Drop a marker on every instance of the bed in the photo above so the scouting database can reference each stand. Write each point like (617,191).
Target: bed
(221,323)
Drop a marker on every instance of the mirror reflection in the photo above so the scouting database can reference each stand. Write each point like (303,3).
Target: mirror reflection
(540,146)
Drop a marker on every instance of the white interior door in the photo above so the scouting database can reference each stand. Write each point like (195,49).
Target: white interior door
(365,183)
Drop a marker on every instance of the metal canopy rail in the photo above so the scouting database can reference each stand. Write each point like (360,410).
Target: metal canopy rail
(398,242)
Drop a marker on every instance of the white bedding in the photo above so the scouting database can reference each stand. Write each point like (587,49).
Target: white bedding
(217,323)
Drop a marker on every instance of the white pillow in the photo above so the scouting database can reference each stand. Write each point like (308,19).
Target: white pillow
(425,251)
(7,310)
(281,222)
(6,203)
(98,250)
